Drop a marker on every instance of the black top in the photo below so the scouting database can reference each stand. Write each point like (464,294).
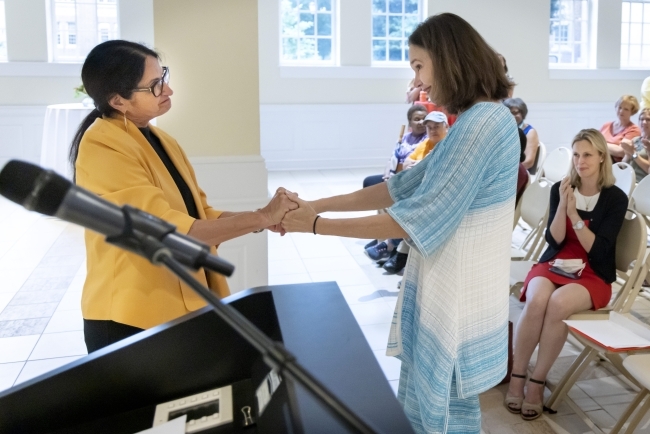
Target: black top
(605,221)
(173,171)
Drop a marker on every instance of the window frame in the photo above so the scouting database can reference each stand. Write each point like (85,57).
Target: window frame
(404,39)
(589,45)
(645,33)
(3,31)
(334,37)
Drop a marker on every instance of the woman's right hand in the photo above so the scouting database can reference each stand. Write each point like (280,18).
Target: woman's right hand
(565,188)
(278,207)
(628,147)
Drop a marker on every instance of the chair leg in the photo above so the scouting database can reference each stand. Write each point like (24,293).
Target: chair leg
(637,417)
(568,380)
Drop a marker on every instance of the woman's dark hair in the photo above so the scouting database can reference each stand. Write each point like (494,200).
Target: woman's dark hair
(517,103)
(465,67)
(415,108)
(111,68)
(523,141)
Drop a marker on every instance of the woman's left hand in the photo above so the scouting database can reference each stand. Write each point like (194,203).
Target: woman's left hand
(571,210)
(301,219)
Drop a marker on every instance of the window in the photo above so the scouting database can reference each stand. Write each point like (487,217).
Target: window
(635,34)
(3,33)
(570,34)
(307,32)
(79,25)
(393,21)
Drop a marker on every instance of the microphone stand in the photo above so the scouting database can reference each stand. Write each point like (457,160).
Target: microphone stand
(273,353)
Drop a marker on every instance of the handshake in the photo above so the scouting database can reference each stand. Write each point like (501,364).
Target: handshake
(286,212)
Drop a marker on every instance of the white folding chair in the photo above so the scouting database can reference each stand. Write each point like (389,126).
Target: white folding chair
(630,248)
(556,165)
(541,157)
(640,200)
(638,366)
(625,177)
(534,206)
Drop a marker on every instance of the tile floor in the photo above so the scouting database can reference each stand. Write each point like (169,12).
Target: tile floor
(42,271)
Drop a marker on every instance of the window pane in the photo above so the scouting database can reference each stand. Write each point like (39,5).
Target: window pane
(325,24)
(635,33)
(395,26)
(3,33)
(411,6)
(410,23)
(307,48)
(646,33)
(625,33)
(307,30)
(395,50)
(625,16)
(307,23)
(646,13)
(570,36)
(379,26)
(378,6)
(636,12)
(378,50)
(325,5)
(289,48)
(79,25)
(635,55)
(395,6)
(325,48)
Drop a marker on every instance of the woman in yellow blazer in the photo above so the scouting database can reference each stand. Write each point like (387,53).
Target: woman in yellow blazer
(118,155)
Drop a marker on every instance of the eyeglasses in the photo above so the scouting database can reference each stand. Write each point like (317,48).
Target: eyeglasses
(157,88)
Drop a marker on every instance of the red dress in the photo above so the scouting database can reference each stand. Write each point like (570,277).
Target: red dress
(599,290)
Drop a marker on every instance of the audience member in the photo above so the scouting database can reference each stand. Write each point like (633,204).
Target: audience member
(437,127)
(412,92)
(636,150)
(645,93)
(623,127)
(522,177)
(510,79)
(417,134)
(519,110)
(574,273)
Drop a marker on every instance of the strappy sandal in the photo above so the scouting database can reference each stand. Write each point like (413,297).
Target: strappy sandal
(534,410)
(516,400)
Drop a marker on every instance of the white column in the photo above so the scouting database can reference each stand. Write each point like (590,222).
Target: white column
(26,30)
(608,34)
(136,21)
(355,25)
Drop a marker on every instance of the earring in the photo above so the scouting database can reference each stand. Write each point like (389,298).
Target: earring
(126,127)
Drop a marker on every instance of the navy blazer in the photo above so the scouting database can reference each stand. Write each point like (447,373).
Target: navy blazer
(605,221)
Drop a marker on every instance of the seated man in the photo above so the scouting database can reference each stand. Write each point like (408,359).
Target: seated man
(436,126)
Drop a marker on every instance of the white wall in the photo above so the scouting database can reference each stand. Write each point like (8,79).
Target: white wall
(348,116)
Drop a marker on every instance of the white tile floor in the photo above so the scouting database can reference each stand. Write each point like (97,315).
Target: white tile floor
(42,272)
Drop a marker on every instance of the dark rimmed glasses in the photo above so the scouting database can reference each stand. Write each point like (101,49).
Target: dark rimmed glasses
(157,88)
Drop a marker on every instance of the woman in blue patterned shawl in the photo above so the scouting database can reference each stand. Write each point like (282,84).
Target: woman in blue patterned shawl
(450,327)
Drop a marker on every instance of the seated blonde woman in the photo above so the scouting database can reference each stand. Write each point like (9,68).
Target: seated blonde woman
(622,128)
(586,214)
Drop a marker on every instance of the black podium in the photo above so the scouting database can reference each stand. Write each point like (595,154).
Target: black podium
(115,390)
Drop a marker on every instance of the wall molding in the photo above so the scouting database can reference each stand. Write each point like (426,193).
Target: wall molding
(597,74)
(40,69)
(334,136)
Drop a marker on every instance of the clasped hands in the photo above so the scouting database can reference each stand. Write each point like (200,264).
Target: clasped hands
(286,212)
(568,199)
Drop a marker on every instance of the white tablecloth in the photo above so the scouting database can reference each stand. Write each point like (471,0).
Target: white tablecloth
(61,123)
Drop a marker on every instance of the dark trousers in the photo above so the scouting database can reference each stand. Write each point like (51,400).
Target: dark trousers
(373,180)
(102,333)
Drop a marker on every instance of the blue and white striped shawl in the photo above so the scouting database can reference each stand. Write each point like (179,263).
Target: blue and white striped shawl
(457,207)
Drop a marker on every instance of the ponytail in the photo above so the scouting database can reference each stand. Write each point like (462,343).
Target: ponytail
(76,141)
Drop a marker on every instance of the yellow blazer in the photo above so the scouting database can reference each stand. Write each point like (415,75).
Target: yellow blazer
(119,164)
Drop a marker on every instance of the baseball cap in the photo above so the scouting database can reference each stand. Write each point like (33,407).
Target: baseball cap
(436,117)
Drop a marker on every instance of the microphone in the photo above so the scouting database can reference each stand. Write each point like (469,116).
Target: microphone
(48,193)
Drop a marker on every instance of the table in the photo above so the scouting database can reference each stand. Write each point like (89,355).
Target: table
(61,123)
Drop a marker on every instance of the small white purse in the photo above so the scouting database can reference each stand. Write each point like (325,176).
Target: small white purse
(572,266)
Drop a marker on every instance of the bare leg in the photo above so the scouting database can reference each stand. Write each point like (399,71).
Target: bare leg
(528,330)
(564,302)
